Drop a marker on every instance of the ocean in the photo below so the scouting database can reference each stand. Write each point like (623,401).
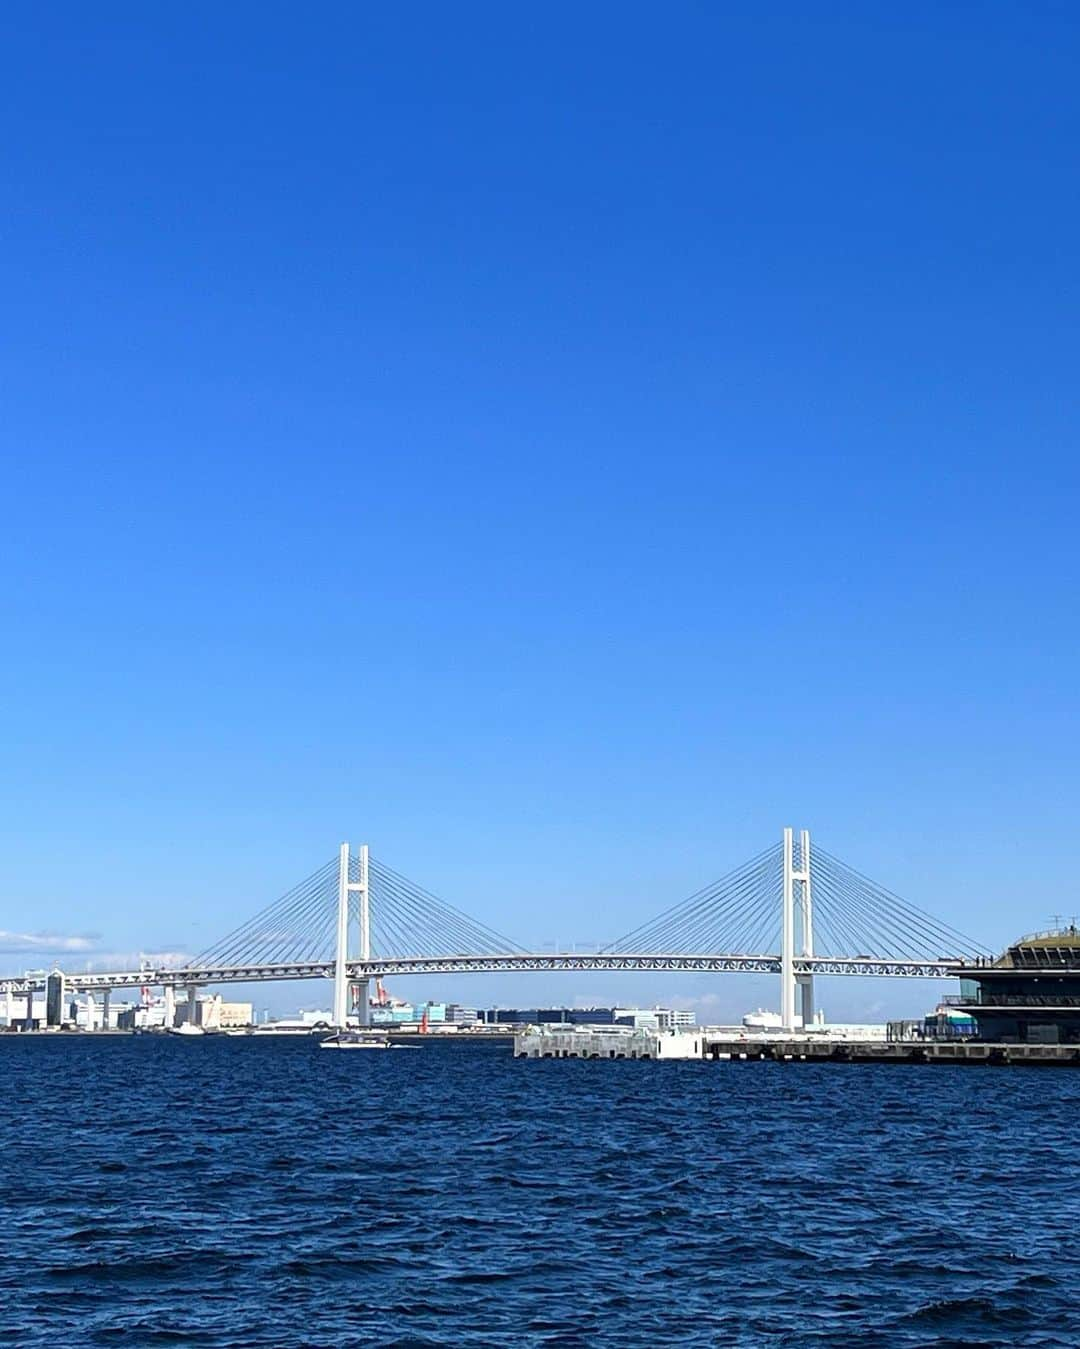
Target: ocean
(240,1192)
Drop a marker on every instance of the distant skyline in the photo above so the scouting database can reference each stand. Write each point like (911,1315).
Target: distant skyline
(558,448)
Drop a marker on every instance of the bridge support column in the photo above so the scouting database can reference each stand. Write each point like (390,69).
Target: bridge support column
(341,960)
(29,1009)
(170,1006)
(192,1015)
(364,1003)
(805,984)
(105,999)
(9,1006)
(341,974)
(806,930)
(793,876)
(787,940)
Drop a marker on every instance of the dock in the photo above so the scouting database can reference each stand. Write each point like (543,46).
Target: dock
(825,1050)
(586,1042)
(606,1042)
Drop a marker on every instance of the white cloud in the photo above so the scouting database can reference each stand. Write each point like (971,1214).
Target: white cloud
(82,954)
(132,960)
(45,943)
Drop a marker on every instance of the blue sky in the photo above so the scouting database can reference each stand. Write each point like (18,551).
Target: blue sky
(560,447)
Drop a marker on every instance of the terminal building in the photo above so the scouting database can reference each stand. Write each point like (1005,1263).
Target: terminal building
(1030,994)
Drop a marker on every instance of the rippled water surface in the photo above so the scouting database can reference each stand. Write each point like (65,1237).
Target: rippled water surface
(230,1192)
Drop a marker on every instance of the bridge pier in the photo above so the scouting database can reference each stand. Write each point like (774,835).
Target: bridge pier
(192,1014)
(805,984)
(364,1008)
(170,1006)
(806,915)
(341,952)
(105,1000)
(792,904)
(341,955)
(29,1009)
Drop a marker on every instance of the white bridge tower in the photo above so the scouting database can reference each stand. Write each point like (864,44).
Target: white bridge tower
(346,887)
(796,932)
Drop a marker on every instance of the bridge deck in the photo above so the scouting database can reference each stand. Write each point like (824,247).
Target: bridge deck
(518,962)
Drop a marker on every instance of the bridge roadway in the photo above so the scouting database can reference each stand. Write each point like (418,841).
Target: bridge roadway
(87,982)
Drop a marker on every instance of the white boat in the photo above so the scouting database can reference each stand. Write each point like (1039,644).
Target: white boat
(185,1029)
(351,1039)
(361,1039)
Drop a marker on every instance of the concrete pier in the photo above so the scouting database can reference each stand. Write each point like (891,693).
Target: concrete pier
(823,1049)
(609,1042)
(593,1042)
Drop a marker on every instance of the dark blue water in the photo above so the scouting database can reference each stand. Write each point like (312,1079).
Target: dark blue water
(237,1192)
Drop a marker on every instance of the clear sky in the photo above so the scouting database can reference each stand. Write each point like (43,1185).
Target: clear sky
(558,445)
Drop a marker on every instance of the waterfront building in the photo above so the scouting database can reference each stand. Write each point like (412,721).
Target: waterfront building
(15,1009)
(637,1017)
(214,1013)
(655,1018)
(55,1011)
(1029,994)
(398,1013)
(142,1016)
(89,1013)
(943,1023)
(544,1016)
(303,1023)
(658,1018)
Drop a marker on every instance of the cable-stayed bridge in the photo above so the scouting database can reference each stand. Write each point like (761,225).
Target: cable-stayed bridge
(785,912)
